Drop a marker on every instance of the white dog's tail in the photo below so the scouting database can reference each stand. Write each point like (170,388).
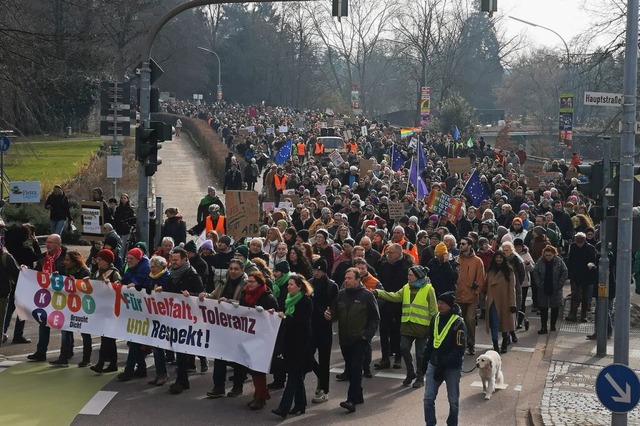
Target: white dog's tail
(499,378)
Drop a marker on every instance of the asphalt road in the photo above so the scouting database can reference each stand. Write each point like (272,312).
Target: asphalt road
(73,391)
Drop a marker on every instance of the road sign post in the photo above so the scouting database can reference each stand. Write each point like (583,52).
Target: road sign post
(618,388)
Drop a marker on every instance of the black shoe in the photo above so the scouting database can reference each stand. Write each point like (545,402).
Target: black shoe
(571,318)
(495,346)
(342,377)
(112,368)
(506,341)
(275,386)
(97,368)
(553,328)
(383,364)
(471,351)
(526,326)
(349,406)
(177,388)
(37,357)
(297,410)
(367,373)
(409,379)
(18,340)
(5,337)
(279,412)
(59,363)
(84,363)
(140,373)
(125,376)
(542,331)
(397,363)
(204,365)
(514,337)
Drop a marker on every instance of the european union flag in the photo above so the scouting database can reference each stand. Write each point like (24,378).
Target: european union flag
(284,153)
(422,159)
(474,189)
(397,159)
(456,133)
(416,179)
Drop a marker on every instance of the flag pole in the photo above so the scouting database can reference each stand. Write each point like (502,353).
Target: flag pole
(409,177)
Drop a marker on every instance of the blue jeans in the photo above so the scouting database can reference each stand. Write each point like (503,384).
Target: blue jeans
(160,362)
(494,322)
(57,226)
(452,378)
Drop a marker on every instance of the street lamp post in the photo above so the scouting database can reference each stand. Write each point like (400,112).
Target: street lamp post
(219,94)
(548,29)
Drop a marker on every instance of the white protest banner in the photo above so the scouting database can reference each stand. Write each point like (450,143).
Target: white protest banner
(163,320)
(363,131)
(251,129)
(321,189)
(201,238)
(24,192)
(336,158)
(270,130)
(283,129)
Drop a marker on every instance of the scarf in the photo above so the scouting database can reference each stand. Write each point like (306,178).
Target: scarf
(291,302)
(548,277)
(49,265)
(251,295)
(158,275)
(177,273)
(419,283)
(280,282)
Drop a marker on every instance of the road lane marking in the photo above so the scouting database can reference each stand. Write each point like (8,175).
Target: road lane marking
(96,404)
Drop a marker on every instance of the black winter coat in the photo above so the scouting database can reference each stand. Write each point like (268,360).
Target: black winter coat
(297,337)
(8,274)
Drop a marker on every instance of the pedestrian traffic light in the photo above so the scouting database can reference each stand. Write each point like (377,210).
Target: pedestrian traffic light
(146,139)
(340,8)
(593,172)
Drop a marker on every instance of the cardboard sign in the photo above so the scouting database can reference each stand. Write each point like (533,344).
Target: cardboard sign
(91,220)
(396,210)
(348,134)
(549,176)
(268,206)
(243,132)
(330,121)
(459,165)
(338,123)
(365,166)
(242,216)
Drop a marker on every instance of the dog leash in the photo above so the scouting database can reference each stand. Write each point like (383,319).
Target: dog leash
(474,367)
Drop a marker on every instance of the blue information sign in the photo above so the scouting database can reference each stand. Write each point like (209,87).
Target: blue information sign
(618,388)
(5,143)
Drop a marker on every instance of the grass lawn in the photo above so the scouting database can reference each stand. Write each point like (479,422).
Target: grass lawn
(50,161)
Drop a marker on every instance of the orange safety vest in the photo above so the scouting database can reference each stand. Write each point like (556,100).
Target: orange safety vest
(280,182)
(319,149)
(351,147)
(301,149)
(208,225)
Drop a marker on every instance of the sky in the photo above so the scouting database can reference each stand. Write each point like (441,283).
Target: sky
(567,17)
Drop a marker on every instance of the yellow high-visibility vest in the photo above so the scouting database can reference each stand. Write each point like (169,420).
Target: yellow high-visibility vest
(416,311)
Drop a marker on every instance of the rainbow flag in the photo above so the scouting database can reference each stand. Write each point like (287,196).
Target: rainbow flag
(406,132)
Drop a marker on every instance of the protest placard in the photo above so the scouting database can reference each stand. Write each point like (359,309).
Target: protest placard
(242,216)
(164,320)
(92,218)
(459,165)
(442,204)
(365,166)
(336,158)
(396,210)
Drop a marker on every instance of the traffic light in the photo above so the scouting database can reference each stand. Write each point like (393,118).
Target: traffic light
(594,173)
(146,140)
(340,8)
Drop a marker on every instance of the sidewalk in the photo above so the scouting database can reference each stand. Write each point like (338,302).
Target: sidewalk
(569,396)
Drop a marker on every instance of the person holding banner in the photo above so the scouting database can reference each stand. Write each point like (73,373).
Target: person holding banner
(52,261)
(229,289)
(158,280)
(185,280)
(297,345)
(107,273)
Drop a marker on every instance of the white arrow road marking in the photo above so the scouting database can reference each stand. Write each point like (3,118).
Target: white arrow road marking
(624,396)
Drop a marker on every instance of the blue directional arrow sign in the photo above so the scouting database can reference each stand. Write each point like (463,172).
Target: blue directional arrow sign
(5,143)
(618,388)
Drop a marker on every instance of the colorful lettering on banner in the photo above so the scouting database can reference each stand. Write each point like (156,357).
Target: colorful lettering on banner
(442,204)
(164,320)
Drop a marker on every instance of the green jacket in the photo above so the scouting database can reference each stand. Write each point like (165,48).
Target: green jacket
(356,311)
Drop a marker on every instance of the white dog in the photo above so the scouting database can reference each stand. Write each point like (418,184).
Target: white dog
(490,369)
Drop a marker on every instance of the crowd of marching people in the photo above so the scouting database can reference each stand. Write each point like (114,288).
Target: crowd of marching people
(332,251)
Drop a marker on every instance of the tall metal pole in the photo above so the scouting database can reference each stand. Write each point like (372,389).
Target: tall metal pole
(602,303)
(566,46)
(625,200)
(219,93)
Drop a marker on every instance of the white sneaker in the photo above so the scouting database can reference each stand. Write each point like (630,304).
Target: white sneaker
(321,397)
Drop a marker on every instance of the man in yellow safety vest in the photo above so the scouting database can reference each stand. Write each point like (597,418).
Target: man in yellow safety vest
(443,358)
(418,307)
